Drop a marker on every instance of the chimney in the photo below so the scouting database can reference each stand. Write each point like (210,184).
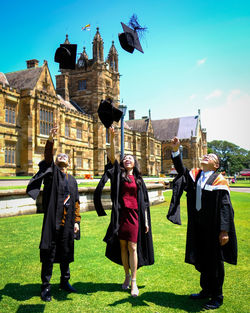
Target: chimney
(131,114)
(62,86)
(32,63)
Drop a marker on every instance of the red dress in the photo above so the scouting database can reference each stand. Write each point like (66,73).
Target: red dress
(129,213)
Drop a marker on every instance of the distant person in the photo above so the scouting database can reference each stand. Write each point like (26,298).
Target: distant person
(61,221)
(211,237)
(235,177)
(129,237)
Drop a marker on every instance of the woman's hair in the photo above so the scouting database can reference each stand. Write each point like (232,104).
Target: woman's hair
(136,171)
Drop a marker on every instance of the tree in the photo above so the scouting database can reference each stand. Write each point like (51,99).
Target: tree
(233,159)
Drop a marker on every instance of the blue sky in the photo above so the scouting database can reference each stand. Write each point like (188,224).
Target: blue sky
(196,54)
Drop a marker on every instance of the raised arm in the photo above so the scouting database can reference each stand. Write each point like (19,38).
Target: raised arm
(112,144)
(48,151)
(175,144)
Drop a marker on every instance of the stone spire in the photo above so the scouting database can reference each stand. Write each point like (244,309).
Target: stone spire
(112,58)
(66,42)
(83,60)
(97,47)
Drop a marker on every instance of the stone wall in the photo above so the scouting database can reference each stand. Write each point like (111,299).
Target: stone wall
(16,202)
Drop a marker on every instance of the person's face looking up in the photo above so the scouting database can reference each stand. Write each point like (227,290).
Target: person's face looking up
(128,162)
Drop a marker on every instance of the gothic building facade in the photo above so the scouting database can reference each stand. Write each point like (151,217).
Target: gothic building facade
(30,105)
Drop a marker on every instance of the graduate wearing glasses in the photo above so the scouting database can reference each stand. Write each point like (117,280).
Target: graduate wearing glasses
(211,237)
(61,223)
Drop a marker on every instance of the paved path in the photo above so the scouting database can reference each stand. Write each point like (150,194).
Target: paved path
(247,190)
(24,182)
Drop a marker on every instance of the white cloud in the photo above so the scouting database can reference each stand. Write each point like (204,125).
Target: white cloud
(229,121)
(193,96)
(201,62)
(214,94)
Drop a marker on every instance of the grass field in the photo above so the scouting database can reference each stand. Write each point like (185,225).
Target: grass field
(164,287)
(241,183)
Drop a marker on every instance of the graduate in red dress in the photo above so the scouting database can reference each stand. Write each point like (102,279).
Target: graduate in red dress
(129,237)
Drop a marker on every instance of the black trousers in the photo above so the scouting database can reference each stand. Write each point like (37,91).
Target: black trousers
(211,280)
(48,261)
(46,273)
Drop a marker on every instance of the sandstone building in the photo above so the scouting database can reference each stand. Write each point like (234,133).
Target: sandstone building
(30,105)
(188,129)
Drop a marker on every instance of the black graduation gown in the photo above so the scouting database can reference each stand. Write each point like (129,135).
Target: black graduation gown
(144,243)
(202,243)
(52,202)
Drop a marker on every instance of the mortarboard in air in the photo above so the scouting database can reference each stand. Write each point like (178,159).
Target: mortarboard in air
(108,113)
(66,56)
(129,39)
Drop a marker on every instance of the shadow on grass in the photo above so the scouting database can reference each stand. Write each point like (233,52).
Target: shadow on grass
(89,287)
(25,292)
(31,308)
(20,292)
(164,299)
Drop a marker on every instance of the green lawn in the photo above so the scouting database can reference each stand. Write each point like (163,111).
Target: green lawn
(164,287)
(241,183)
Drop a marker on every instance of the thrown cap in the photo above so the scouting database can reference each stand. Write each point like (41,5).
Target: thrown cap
(129,40)
(66,56)
(108,113)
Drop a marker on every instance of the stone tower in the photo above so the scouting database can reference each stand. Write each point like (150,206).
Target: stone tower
(91,81)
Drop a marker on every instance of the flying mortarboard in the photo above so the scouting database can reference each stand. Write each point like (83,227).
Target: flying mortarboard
(108,113)
(129,40)
(66,56)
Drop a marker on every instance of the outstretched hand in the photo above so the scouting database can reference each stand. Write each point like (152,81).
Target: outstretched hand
(175,144)
(53,132)
(112,131)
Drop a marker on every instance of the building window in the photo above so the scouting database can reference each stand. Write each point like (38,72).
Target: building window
(79,132)
(151,147)
(79,161)
(82,84)
(10,154)
(167,154)
(139,144)
(10,113)
(107,136)
(46,121)
(67,129)
(129,143)
(68,154)
(185,153)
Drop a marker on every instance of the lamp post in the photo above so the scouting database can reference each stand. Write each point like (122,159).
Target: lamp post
(123,108)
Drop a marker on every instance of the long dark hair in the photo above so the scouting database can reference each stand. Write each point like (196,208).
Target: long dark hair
(136,171)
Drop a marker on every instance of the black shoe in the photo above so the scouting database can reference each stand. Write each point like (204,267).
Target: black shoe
(213,304)
(67,287)
(202,295)
(45,295)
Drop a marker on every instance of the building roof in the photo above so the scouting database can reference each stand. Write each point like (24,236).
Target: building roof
(138,125)
(25,79)
(3,79)
(67,104)
(182,127)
